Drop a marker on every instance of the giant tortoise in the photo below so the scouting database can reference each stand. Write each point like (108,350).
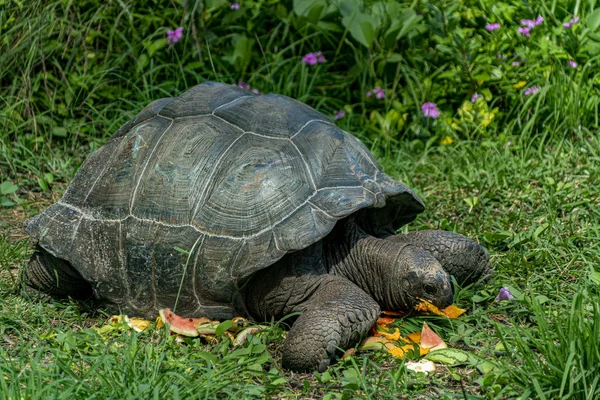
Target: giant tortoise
(221,202)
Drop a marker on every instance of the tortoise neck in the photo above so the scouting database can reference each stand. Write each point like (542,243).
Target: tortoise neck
(367,261)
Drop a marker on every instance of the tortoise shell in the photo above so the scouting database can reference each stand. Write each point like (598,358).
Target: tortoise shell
(190,198)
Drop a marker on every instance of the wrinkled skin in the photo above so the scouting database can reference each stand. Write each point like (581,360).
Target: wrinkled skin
(341,284)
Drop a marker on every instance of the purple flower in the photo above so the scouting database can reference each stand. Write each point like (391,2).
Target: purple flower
(313,58)
(504,294)
(378,92)
(475,97)
(572,64)
(539,20)
(514,63)
(528,23)
(174,36)
(340,114)
(235,6)
(524,31)
(430,110)
(492,27)
(573,21)
(255,91)
(243,85)
(532,90)
(309,59)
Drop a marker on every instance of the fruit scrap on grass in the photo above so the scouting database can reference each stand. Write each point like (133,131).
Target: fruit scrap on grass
(451,311)
(183,326)
(137,324)
(430,340)
(421,366)
(209,329)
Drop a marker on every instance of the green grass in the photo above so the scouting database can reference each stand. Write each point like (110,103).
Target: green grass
(526,187)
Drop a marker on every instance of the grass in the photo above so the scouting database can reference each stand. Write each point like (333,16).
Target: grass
(525,187)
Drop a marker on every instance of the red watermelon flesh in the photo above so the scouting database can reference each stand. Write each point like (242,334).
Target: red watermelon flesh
(180,325)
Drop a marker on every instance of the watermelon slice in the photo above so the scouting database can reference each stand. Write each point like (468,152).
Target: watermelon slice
(180,325)
(430,340)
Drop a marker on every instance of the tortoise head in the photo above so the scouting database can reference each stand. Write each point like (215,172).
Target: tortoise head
(416,275)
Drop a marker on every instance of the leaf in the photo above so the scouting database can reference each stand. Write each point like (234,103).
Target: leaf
(223,327)
(421,366)
(211,358)
(42,183)
(430,340)
(394,337)
(414,337)
(5,202)
(362,27)
(453,311)
(593,20)
(7,187)
(486,367)
(399,352)
(595,277)
(59,131)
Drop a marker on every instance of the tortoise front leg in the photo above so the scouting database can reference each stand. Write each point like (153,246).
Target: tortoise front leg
(460,256)
(335,313)
(339,314)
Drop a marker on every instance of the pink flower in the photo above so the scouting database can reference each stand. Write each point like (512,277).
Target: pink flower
(475,97)
(528,23)
(174,36)
(572,64)
(235,6)
(378,92)
(524,31)
(573,21)
(243,85)
(532,90)
(313,58)
(430,110)
(514,63)
(492,27)
(504,294)
(340,114)
(539,20)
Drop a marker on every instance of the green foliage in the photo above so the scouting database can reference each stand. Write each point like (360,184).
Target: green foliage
(561,358)
(73,72)
(518,173)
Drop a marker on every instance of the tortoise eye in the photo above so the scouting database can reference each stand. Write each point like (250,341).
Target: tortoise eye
(430,289)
